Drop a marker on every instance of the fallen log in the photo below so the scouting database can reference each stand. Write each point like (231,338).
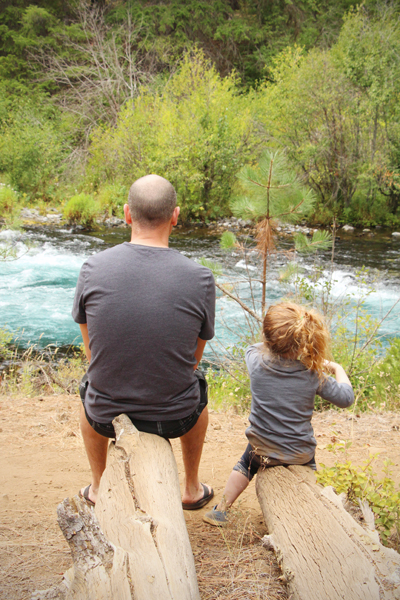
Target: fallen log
(134,545)
(323,552)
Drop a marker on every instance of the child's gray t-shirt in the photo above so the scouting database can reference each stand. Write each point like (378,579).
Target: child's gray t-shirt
(283,393)
(145,308)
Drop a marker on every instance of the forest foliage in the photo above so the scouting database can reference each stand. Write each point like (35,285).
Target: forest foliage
(94,95)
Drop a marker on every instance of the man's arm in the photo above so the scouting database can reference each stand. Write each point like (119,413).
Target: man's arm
(201,344)
(85,337)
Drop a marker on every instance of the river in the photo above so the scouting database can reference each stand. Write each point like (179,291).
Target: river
(37,290)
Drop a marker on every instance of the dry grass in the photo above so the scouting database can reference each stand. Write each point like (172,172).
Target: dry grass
(33,554)
(35,373)
(231,562)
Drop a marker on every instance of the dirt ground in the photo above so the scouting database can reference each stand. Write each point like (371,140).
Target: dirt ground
(42,461)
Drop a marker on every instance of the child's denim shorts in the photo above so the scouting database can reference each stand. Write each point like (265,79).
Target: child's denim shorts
(250,462)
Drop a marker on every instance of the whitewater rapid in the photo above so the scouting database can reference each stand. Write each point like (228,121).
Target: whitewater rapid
(37,289)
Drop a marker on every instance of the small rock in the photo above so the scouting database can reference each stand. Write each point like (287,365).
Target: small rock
(348,228)
(70,434)
(54,218)
(114,222)
(396,234)
(29,213)
(366,231)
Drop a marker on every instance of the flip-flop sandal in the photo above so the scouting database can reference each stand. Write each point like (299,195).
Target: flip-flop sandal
(85,495)
(208,495)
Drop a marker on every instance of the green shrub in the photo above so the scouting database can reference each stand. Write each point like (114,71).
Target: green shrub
(5,340)
(81,209)
(8,200)
(226,390)
(198,132)
(111,198)
(32,147)
(361,483)
(384,390)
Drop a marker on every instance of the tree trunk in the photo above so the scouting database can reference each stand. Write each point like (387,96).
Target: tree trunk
(323,552)
(134,545)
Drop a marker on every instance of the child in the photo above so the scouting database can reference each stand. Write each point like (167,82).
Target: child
(286,371)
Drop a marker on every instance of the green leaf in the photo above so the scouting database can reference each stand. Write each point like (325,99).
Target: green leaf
(321,240)
(213,266)
(291,272)
(228,240)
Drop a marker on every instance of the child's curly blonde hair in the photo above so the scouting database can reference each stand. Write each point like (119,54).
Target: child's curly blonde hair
(294,332)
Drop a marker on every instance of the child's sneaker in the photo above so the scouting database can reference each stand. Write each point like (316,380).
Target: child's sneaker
(219,518)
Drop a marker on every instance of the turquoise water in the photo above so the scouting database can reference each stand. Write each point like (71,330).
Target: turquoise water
(37,290)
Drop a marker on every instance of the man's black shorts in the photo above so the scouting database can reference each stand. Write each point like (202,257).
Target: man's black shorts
(165,429)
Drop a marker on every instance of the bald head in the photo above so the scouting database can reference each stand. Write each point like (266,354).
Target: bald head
(151,201)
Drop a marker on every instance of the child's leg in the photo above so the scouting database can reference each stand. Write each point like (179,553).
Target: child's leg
(235,485)
(243,472)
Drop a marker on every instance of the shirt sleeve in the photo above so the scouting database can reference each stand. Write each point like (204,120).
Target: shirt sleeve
(340,394)
(207,328)
(252,357)
(78,308)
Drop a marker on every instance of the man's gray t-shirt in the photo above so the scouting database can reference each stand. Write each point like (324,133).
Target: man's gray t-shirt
(145,307)
(283,393)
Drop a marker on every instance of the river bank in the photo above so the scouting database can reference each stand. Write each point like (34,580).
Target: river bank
(32,217)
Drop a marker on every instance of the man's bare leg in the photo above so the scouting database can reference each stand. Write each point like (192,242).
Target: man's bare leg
(96,449)
(192,447)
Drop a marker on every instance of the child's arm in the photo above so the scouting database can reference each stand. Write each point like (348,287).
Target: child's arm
(337,390)
(338,371)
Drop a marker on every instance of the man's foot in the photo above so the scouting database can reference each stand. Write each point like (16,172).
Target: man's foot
(218,518)
(208,494)
(85,494)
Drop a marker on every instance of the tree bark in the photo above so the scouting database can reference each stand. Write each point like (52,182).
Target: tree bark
(134,545)
(323,552)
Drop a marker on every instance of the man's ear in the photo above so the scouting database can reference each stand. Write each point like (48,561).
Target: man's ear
(127,213)
(175,216)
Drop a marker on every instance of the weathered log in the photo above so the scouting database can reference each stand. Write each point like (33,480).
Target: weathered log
(323,552)
(134,545)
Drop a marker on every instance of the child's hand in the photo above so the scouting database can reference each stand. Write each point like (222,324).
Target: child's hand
(337,370)
(330,366)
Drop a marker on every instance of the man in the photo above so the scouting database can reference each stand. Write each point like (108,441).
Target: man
(145,313)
